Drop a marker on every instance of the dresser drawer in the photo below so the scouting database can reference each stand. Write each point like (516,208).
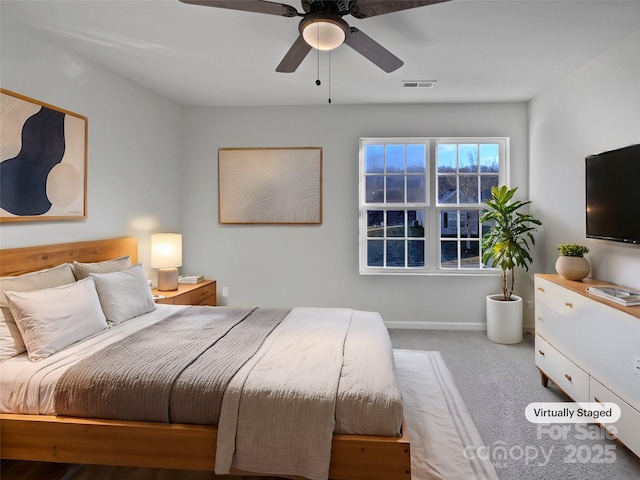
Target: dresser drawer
(559,299)
(200,296)
(567,375)
(628,427)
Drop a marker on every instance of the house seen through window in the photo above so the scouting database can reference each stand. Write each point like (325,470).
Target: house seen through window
(420,202)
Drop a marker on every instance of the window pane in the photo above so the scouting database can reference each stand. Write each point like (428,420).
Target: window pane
(375,223)
(416,189)
(415,253)
(416,223)
(374,159)
(395,223)
(469,223)
(469,189)
(470,254)
(374,185)
(486,182)
(395,189)
(449,254)
(447,158)
(486,227)
(395,253)
(416,162)
(375,253)
(468,157)
(449,224)
(447,189)
(395,159)
(489,158)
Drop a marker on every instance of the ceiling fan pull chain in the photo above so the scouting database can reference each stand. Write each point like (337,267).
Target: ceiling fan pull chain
(318,82)
(329,76)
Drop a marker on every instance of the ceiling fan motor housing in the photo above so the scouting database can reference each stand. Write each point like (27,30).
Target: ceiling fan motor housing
(337,7)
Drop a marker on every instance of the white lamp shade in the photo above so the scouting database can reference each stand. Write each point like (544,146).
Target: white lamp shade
(324,34)
(166,250)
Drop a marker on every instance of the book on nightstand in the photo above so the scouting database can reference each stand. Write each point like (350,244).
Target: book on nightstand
(190,279)
(623,296)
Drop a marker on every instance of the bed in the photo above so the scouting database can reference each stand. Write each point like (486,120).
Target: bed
(78,439)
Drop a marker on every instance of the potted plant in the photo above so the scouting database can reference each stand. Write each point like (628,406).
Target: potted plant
(506,246)
(571,263)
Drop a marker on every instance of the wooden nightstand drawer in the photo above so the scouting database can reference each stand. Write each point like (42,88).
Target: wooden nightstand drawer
(203,293)
(200,295)
(184,299)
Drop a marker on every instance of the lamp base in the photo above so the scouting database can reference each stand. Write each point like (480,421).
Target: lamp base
(167,279)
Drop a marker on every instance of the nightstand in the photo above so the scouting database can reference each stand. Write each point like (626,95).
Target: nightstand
(203,293)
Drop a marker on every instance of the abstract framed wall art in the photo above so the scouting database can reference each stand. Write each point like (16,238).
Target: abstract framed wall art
(43,162)
(270,186)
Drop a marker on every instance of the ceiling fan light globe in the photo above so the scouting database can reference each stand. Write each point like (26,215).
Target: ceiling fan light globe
(324,32)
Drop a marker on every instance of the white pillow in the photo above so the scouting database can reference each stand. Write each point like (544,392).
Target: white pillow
(82,270)
(54,318)
(11,342)
(125,294)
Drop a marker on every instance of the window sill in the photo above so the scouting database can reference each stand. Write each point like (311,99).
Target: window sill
(434,273)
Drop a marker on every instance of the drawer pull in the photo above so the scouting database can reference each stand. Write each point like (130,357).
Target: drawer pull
(540,318)
(567,376)
(541,289)
(569,304)
(597,400)
(541,352)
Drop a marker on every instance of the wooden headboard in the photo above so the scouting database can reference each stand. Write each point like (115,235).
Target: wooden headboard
(16,261)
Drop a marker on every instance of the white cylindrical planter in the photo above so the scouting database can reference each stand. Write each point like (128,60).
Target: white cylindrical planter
(504,319)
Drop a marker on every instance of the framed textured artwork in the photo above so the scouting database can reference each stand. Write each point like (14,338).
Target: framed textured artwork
(270,185)
(43,162)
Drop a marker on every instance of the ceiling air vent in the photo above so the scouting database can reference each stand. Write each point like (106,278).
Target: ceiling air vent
(419,83)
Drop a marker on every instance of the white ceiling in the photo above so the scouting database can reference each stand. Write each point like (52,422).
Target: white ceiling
(477,50)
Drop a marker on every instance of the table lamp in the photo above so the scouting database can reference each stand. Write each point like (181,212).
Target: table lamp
(166,255)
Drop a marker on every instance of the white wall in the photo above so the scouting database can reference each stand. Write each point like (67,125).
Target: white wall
(595,109)
(318,265)
(133,174)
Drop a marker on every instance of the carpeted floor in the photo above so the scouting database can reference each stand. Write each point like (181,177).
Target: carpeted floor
(496,383)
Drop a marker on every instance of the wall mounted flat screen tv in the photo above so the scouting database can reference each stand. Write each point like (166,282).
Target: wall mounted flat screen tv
(613,195)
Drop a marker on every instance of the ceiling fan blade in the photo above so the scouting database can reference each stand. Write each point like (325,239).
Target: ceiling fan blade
(372,8)
(369,48)
(257,6)
(294,56)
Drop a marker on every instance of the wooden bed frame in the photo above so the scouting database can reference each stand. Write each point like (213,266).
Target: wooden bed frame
(157,445)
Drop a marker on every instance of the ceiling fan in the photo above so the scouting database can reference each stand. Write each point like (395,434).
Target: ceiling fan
(323,28)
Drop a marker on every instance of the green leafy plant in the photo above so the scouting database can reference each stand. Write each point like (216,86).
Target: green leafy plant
(507,243)
(572,250)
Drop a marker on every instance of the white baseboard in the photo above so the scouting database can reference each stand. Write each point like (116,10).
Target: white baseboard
(441,326)
(437,325)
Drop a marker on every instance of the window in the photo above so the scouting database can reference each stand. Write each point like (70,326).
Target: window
(419,215)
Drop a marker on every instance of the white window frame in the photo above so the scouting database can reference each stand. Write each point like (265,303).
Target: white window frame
(432,254)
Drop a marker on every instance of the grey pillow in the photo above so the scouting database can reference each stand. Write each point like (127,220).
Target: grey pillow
(82,270)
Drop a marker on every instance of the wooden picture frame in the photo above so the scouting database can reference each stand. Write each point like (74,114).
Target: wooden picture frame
(270,186)
(43,163)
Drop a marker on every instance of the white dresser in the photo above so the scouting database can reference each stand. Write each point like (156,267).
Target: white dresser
(588,347)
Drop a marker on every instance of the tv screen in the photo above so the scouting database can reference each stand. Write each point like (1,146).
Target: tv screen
(613,195)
